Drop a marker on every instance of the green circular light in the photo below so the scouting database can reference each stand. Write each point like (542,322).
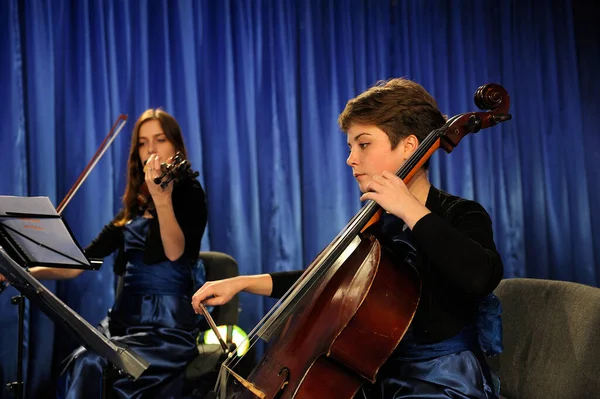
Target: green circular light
(238,336)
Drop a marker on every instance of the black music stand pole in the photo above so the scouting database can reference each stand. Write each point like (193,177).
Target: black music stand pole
(109,375)
(17,386)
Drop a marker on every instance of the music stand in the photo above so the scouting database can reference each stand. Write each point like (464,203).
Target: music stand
(33,234)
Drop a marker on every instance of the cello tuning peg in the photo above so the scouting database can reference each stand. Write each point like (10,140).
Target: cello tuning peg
(500,118)
(474,124)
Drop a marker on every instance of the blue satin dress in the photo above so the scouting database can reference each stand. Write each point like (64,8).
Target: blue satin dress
(454,368)
(152,316)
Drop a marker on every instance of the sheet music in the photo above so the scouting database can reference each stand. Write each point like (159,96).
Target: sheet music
(32,205)
(41,238)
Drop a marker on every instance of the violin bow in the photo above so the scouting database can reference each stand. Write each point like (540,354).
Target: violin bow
(110,137)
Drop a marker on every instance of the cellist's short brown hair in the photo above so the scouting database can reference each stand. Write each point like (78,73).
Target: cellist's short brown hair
(399,107)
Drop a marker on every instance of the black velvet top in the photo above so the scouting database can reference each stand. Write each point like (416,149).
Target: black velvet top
(189,205)
(456,259)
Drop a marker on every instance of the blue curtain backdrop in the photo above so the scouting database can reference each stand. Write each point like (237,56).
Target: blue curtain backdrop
(257,87)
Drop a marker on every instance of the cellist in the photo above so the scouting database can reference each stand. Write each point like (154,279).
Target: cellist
(448,239)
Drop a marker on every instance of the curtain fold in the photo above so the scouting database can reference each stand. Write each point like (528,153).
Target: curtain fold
(257,87)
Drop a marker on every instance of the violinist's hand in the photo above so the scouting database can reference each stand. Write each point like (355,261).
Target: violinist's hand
(390,192)
(2,279)
(214,293)
(160,196)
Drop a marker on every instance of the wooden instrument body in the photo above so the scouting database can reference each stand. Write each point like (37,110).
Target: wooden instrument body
(341,334)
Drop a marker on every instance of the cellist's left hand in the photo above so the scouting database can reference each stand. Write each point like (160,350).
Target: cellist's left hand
(159,195)
(390,192)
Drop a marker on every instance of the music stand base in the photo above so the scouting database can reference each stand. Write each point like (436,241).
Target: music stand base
(16,387)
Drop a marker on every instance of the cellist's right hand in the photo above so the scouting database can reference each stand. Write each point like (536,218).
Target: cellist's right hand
(2,279)
(215,293)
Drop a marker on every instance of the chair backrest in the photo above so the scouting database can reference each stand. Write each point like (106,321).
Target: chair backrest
(220,266)
(551,339)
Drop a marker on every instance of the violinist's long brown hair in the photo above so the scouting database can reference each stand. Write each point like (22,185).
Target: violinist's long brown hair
(135,177)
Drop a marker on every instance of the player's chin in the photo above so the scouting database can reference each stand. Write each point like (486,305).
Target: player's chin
(363,188)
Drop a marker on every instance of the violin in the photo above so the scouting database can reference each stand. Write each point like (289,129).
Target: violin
(178,169)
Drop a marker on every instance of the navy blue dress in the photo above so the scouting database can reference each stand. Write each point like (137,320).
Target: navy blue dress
(152,316)
(452,368)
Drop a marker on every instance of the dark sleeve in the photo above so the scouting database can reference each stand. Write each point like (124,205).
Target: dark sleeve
(461,248)
(191,214)
(283,281)
(108,241)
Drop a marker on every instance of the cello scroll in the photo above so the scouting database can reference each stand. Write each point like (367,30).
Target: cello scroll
(492,97)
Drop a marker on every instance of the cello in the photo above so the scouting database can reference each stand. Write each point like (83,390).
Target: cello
(350,309)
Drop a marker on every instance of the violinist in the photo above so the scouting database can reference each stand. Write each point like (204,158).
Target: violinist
(156,236)
(448,239)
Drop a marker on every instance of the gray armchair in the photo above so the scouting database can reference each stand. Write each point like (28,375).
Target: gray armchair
(551,340)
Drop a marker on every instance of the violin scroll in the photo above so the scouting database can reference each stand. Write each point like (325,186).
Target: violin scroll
(178,169)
